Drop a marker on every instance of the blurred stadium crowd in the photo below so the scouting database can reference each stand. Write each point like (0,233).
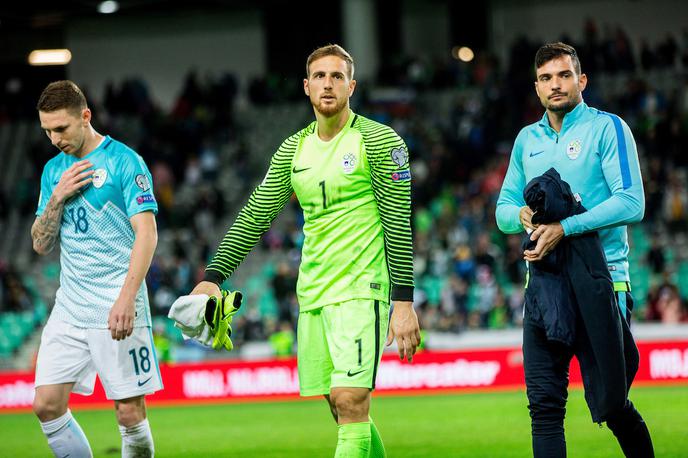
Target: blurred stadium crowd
(459,121)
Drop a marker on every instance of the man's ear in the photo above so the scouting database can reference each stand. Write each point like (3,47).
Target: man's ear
(582,82)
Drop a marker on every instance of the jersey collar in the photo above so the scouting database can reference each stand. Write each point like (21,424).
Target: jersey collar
(101,146)
(347,126)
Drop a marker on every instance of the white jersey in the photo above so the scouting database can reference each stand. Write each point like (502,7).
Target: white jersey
(96,236)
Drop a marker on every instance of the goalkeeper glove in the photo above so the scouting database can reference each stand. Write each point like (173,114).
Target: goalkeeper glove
(218,316)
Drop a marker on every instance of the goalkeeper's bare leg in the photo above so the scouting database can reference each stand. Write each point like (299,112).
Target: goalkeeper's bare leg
(358,437)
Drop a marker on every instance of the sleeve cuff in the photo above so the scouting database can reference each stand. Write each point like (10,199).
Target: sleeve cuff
(214,276)
(402,293)
(566,225)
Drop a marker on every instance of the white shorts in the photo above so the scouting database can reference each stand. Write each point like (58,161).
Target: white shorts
(127,368)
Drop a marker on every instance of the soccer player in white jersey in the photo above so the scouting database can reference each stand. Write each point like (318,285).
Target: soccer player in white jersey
(97,196)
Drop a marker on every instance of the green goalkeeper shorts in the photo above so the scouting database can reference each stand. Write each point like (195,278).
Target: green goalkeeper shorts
(340,345)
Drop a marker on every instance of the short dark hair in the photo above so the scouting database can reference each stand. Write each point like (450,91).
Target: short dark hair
(60,95)
(551,51)
(331,50)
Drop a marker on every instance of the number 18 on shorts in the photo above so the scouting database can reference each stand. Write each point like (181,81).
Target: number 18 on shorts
(126,368)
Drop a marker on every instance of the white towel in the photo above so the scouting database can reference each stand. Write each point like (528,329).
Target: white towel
(187,313)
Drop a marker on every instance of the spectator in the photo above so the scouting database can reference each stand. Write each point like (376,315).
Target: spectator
(665,304)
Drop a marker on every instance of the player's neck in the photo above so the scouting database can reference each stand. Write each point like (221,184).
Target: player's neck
(91,142)
(329,127)
(556,119)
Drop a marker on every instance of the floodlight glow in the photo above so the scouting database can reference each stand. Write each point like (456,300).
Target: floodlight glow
(50,57)
(465,54)
(108,7)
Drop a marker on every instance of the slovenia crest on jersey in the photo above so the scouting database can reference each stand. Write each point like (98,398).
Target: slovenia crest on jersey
(574,149)
(400,156)
(142,182)
(99,177)
(348,163)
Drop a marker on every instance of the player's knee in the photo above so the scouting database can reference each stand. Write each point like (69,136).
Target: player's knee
(547,419)
(47,409)
(351,405)
(332,406)
(130,413)
(624,419)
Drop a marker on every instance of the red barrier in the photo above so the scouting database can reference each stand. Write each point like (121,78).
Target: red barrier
(500,368)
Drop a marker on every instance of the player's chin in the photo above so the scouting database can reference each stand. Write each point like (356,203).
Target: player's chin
(564,106)
(328,109)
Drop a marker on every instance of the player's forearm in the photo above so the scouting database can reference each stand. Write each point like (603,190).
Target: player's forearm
(394,206)
(139,262)
(619,209)
(510,200)
(396,227)
(400,259)
(508,220)
(46,228)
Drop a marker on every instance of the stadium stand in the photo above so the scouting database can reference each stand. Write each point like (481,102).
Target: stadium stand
(209,151)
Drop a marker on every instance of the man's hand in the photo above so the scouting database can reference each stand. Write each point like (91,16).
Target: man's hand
(73,180)
(404,326)
(526,217)
(121,318)
(547,236)
(207,287)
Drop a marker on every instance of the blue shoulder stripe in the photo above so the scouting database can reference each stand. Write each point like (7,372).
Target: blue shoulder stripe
(623,152)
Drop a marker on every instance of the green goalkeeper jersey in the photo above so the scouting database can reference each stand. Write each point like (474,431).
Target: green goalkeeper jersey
(355,192)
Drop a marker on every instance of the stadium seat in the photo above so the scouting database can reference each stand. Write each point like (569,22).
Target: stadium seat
(40,312)
(473,297)
(682,279)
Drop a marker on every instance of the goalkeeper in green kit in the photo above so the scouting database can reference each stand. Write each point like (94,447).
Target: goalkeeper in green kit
(352,179)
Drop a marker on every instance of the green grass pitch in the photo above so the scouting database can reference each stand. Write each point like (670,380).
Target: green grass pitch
(494,424)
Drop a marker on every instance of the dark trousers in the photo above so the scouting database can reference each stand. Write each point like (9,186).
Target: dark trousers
(546,366)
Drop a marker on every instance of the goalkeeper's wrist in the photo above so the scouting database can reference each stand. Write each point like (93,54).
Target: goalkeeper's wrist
(402,293)
(214,276)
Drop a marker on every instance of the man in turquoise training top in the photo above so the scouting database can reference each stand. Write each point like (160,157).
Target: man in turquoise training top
(595,153)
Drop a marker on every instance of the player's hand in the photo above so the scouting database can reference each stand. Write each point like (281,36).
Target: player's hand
(547,236)
(73,180)
(526,217)
(207,287)
(404,327)
(121,319)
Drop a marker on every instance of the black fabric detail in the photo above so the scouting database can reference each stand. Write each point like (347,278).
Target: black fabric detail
(546,366)
(631,432)
(210,307)
(214,276)
(377,341)
(402,293)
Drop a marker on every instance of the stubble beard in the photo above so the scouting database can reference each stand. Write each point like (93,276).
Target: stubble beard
(329,110)
(563,107)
